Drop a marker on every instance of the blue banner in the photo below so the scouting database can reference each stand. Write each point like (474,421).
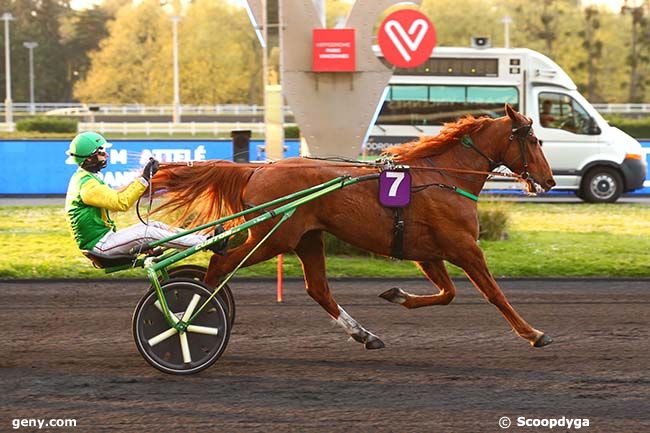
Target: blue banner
(42,167)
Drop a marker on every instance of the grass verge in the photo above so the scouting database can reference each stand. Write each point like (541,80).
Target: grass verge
(544,240)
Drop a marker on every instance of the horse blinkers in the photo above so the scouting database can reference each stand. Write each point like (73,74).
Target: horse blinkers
(520,133)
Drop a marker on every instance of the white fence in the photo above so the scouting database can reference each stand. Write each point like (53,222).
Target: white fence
(170,128)
(148,128)
(74,108)
(623,108)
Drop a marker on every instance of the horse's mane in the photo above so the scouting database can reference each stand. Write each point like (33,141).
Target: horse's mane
(449,136)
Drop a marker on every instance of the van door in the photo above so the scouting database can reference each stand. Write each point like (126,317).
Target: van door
(568,133)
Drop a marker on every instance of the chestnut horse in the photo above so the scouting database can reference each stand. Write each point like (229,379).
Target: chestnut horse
(440,225)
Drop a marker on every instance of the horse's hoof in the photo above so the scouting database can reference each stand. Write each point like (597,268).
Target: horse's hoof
(374,343)
(394,295)
(542,341)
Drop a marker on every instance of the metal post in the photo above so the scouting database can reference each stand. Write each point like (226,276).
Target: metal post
(320,7)
(273,100)
(280,286)
(177,98)
(30,46)
(6,17)
(507,20)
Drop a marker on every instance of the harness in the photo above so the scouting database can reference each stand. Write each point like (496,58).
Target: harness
(386,164)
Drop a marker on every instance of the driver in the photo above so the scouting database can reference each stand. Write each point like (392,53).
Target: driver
(89,201)
(546,119)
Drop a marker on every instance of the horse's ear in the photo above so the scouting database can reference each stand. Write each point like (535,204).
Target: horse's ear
(512,114)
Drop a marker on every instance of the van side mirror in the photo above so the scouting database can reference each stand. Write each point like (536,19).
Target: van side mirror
(594,129)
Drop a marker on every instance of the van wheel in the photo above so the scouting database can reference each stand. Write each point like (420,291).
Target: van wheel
(601,185)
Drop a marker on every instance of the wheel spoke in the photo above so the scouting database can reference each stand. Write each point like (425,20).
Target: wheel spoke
(162,336)
(190,308)
(174,318)
(185,348)
(203,330)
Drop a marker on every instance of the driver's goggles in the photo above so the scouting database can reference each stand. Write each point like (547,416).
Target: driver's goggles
(100,151)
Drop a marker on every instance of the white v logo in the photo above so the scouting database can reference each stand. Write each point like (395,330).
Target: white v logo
(412,43)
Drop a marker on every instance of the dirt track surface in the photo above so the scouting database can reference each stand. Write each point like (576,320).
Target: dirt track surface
(67,352)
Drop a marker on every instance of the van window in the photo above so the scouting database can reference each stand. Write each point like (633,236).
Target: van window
(410,93)
(446,94)
(499,95)
(560,111)
(435,105)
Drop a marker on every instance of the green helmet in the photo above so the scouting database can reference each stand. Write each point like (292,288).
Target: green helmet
(84,145)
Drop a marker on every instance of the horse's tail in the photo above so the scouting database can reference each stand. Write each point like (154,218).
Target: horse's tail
(201,192)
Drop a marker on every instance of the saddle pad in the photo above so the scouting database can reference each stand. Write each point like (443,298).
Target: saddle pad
(395,188)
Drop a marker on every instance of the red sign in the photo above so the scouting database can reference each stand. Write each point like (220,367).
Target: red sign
(334,50)
(406,38)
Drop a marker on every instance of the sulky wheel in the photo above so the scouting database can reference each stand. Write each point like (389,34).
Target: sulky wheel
(196,272)
(192,351)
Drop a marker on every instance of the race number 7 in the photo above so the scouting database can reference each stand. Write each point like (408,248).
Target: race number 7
(398,177)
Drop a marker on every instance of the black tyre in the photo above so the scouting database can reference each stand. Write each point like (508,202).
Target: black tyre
(205,339)
(601,185)
(196,272)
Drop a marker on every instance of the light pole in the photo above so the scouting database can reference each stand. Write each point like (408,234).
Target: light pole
(506,30)
(30,46)
(6,17)
(177,97)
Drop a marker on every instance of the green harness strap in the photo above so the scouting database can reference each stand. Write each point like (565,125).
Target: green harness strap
(464,193)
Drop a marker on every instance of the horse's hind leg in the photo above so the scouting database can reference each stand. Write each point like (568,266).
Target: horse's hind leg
(436,272)
(473,263)
(223,265)
(310,252)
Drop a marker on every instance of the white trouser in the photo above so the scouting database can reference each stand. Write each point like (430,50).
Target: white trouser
(122,241)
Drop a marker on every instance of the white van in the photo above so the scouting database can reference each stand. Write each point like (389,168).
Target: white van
(587,155)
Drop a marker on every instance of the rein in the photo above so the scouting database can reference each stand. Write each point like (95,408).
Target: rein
(137,211)
(369,165)
(386,163)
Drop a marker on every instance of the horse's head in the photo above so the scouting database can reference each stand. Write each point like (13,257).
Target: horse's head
(523,153)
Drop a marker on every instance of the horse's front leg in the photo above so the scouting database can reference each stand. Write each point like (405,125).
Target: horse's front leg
(472,261)
(310,253)
(436,272)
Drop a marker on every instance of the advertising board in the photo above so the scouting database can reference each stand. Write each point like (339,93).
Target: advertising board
(42,166)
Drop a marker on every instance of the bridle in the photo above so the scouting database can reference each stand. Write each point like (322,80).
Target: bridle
(521,133)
